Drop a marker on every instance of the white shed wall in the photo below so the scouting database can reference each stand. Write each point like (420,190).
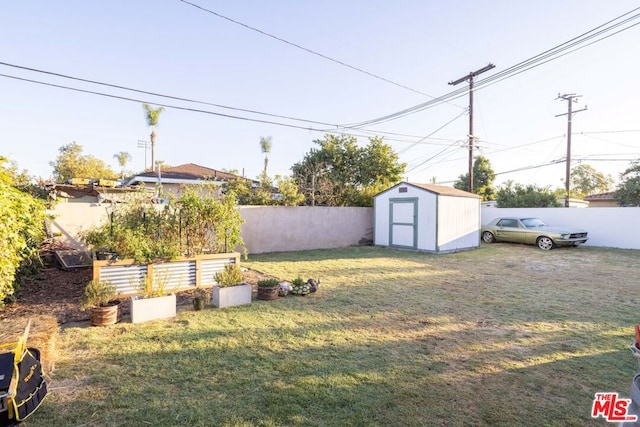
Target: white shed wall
(444,223)
(458,223)
(426,216)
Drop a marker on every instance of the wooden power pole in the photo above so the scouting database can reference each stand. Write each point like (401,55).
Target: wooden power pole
(470,77)
(570,98)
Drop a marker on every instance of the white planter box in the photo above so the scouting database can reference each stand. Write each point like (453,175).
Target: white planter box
(231,295)
(144,309)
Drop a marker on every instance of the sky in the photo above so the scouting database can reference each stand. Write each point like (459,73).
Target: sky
(384,57)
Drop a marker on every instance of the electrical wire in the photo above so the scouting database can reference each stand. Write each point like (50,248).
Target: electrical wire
(177,98)
(313,52)
(432,133)
(526,65)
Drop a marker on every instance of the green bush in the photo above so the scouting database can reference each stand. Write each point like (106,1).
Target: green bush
(22,224)
(192,225)
(268,283)
(97,294)
(230,276)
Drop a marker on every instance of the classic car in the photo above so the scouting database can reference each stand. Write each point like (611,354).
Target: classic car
(531,231)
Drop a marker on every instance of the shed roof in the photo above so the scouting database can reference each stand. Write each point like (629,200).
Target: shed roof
(437,189)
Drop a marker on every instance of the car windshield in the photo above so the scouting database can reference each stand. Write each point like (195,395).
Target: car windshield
(533,222)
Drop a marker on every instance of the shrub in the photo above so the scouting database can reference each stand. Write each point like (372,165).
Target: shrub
(268,283)
(97,294)
(191,225)
(230,276)
(22,224)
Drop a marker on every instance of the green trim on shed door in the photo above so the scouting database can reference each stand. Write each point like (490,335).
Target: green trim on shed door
(414,223)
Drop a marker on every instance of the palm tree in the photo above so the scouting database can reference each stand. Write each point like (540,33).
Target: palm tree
(123,158)
(265,146)
(152,115)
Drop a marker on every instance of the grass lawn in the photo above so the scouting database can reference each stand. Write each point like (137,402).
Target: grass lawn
(503,335)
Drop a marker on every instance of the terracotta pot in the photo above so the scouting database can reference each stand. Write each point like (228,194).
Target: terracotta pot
(107,315)
(268,293)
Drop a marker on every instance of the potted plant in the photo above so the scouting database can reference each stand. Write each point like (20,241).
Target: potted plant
(230,290)
(200,299)
(154,303)
(299,286)
(100,298)
(268,289)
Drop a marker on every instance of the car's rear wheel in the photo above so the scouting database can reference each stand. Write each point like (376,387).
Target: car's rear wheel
(488,237)
(544,243)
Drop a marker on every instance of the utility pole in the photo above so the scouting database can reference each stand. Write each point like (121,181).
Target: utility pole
(145,145)
(570,98)
(470,77)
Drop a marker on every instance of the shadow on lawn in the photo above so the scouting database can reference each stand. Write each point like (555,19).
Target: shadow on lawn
(347,372)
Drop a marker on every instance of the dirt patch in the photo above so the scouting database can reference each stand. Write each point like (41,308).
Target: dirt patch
(56,292)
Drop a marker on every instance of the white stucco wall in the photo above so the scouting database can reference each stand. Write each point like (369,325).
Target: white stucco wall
(266,228)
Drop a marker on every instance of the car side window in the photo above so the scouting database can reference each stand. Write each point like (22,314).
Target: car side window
(508,223)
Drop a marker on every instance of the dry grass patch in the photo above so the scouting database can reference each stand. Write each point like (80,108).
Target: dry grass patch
(43,335)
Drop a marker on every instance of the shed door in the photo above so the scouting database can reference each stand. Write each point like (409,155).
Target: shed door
(403,224)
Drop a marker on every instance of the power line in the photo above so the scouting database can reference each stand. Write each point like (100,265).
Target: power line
(313,52)
(196,110)
(177,98)
(526,65)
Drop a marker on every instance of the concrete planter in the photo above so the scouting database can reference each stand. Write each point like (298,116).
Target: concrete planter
(231,295)
(145,309)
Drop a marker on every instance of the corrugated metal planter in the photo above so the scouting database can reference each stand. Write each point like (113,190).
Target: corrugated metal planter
(231,295)
(145,309)
(176,275)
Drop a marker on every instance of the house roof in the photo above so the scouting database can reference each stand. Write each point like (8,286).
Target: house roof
(600,197)
(193,171)
(186,173)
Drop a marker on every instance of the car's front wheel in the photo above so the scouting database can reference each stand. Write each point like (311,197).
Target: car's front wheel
(488,237)
(544,243)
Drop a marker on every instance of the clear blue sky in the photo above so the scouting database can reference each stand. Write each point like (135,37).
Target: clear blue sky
(172,48)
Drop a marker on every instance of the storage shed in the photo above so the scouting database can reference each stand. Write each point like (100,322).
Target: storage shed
(427,217)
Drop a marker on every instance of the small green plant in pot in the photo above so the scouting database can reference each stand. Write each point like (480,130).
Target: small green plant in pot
(299,286)
(230,289)
(230,276)
(100,297)
(268,289)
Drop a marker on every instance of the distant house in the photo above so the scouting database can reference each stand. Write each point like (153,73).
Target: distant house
(175,178)
(603,200)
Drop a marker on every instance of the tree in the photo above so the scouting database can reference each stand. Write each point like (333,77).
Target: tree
(628,191)
(518,196)
(265,146)
(585,180)
(288,189)
(123,158)
(483,177)
(152,115)
(340,173)
(71,163)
